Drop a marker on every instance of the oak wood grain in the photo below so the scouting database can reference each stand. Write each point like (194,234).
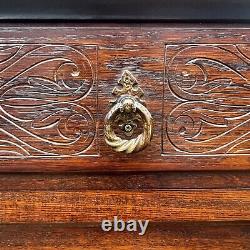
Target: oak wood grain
(159,236)
(52,120)
(147,181)
(94,206)
(55,87)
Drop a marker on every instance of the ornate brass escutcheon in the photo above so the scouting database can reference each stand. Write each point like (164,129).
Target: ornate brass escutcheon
(128,113)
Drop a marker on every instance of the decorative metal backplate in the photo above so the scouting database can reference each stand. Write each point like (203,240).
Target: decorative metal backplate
(47,100)
(128,111)
(207,99)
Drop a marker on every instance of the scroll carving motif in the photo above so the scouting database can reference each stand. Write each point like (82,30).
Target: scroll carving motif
(207,99)
(47,100)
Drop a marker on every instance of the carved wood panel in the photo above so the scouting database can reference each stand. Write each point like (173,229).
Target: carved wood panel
(48,95)
(207,99)
(56,86)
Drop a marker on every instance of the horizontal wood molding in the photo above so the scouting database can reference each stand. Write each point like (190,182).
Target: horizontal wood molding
(147,181)
(200,236)
(93,206)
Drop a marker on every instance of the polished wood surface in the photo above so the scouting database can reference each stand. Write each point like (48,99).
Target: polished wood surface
(160,236)
(57,83)
(51,211)
(95,206)
(145,181)
(160,197)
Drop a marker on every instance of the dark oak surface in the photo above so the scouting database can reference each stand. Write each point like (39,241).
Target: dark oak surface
(95,206)
(29,198)
(51,211)
(57,87)
(159,236)
(144,181)
(196,84)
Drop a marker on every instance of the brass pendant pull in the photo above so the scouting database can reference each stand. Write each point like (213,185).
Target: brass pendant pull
(130,111)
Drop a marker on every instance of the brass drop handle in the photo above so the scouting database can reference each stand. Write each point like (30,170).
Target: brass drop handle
(128,108)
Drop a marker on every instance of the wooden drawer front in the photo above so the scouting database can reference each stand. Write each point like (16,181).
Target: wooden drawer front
(58,84)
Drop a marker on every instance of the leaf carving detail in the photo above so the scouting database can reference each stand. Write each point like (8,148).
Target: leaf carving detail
(211,86)
(43,93)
